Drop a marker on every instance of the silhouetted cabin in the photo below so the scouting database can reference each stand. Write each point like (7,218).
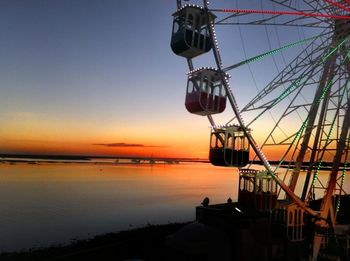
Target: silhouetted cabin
(229,147)
(257,190)
(190,34)
(205,92)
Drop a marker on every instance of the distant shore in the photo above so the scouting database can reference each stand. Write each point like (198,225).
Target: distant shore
(38,158)
(147,243)
(88,158)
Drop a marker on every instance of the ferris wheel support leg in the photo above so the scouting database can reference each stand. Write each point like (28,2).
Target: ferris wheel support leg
(327,199)
(319,239)
(326,205)
(328,73)
(316,247)
(319,131)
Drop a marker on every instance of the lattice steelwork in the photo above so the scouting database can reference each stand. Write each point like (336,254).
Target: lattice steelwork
(309,98)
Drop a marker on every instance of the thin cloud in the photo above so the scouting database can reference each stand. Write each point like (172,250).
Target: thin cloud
(122,144)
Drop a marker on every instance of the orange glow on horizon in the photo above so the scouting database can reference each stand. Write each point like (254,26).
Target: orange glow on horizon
(197,149)
(75,148)
(30,134)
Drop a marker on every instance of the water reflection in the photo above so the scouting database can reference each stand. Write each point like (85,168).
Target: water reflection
(52,203)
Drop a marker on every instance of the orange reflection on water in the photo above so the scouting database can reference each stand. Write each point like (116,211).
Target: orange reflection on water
(53,203)
(197,180)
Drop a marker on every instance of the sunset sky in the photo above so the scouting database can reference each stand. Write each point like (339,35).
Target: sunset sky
(98,77)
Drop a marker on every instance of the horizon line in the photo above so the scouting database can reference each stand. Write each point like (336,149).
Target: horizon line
(86,157)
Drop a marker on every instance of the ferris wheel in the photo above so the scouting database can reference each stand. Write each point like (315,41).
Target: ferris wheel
(307,101)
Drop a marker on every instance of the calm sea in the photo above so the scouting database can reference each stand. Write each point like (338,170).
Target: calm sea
(53,203)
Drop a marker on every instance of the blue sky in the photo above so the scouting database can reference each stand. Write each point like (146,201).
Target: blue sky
(89,66)
(95,72)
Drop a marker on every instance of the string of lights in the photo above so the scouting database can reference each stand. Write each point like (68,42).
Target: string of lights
(281,13)
(338,5)
(272,52)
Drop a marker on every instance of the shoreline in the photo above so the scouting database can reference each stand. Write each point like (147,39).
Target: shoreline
(134,160)
(146,243)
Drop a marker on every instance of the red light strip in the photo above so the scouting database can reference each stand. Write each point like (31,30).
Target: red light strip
(280,13)
(338,5)
(347,2)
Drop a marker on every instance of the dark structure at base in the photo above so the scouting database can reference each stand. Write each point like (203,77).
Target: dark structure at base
(230,232)
(260,227)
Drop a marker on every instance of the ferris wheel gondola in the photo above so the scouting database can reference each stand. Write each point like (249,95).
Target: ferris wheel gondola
(205,92)
(190,35)
(229,147)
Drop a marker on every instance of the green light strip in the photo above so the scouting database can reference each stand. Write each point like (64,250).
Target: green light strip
(342,178)
(329,84)
(284,94)
(319,164)
(289,90)
(295,84)
(328,136)
(335,49)
(261,56)
(298,135)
